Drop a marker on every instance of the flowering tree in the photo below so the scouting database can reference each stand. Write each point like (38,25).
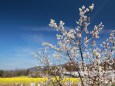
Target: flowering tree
(79,46)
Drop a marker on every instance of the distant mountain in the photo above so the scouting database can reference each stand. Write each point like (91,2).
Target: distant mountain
(34,71)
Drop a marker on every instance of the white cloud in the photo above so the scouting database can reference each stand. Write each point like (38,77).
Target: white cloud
(39,29)
(106,31)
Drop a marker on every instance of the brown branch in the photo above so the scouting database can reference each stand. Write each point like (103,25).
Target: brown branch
(77,69)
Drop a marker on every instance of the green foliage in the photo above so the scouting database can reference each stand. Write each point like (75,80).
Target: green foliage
(1,73)
(113,85)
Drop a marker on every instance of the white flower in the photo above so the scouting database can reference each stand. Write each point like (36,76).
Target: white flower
(61,23)
(58,36)
(77,22)
(87,10)
(81,13)
(83,7)
(95,35)
(106,81)
(79,35)
(85,19)
(72,36)
(113,47)
(56,55)
(91,7)
(86,40)
(53,24)
(80,9)
(77,29)
(96,53)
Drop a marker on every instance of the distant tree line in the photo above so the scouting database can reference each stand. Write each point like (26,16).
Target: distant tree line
(13,73)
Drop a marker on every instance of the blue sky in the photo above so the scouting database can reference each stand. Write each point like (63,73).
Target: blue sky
(24,26)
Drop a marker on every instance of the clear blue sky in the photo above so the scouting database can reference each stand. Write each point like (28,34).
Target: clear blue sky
(24,25)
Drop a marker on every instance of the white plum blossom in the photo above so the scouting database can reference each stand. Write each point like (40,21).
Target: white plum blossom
(61,24)
(59,36)
(53,24)
(83,7)
(91,7)
(79,46)
(79,35)
(71,35)
(50,45)
(57,55)
(86,40)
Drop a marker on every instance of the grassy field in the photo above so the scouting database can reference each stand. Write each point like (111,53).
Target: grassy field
(17,81)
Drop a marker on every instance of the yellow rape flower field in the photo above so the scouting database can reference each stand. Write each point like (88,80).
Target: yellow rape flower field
(26,81)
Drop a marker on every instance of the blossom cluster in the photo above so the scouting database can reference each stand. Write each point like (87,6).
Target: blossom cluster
(79,46)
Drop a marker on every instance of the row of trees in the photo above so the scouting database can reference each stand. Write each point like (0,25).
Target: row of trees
(14,73)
